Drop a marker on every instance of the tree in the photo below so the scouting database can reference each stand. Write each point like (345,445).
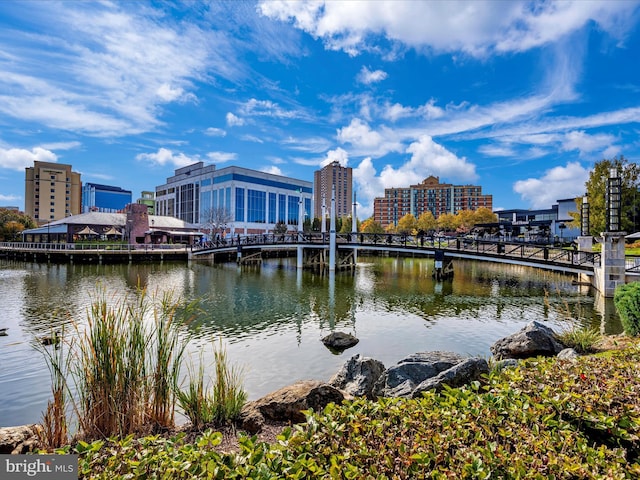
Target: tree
(407,224)
(484,215)
(447,222)
(596,187)
(426,222)
(465,219)
(216,219)
(371,226)
(280,228)
(12,223)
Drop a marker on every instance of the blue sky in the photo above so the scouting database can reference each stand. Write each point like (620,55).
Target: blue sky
(521,98)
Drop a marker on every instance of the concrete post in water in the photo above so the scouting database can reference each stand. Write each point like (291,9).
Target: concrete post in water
(323,222)
(612,271)
(354,229)
(300,258)
(332,231)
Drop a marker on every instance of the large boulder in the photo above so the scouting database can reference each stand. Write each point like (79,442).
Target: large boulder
(535,339)
(358,376)
(288,403)
(463,373)
(339,341)
(403,378)
(21,439)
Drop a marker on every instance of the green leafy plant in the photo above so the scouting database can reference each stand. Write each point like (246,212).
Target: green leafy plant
(626,298)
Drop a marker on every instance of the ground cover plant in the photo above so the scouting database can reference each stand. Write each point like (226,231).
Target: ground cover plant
(547,418)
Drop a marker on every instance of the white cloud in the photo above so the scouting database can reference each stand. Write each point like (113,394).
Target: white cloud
(368,77)
(266,108)
(272,170)
(368,186)
(222,157)
(366,141)
(585,143)
(8,198)
(556,183)
(19,158)
(215,132)
(106,68)
(165,156)
(234,121)
(60,145)
(476,27)
(338,155)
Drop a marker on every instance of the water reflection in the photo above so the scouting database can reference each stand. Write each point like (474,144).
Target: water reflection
(272,317)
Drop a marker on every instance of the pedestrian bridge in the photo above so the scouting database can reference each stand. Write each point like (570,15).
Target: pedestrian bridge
(548,257)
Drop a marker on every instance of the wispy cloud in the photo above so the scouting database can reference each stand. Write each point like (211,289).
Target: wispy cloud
(215,132)
(164,156)
(222,157)
(368,77)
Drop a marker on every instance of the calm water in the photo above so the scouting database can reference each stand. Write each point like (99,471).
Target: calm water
(271,318)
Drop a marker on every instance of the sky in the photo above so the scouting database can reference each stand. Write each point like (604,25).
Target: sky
(519,97)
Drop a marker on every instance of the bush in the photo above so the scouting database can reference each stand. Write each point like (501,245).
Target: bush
(627,301)
(544,419)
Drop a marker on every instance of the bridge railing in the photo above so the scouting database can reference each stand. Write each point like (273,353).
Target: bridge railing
(521,250)
(66,247)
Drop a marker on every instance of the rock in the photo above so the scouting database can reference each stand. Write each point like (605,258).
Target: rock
(339,341)
(358,376)
(568,354)
(287,404)
(505,363)
(531,341)
(463,373)
(21,439)
(3,332)
(401,379)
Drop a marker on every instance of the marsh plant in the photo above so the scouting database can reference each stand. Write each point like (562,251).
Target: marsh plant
(216,400)
(122,367)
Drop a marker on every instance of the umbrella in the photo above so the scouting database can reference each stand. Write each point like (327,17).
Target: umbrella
(87,231)
(633,236)
(113,231)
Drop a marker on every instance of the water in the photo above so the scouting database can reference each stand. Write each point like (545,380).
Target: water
(271,318)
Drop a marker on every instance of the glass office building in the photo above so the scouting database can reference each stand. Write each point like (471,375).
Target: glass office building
(246,201)
(104,198)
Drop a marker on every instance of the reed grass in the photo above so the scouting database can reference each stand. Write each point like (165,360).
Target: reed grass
(123,365)
(217,401)
(55,429)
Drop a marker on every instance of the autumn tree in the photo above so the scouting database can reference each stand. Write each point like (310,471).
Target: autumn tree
(447,222)
(371,226)
(484,215)
(407,224)
(596,187)
(12,222)
(426,222)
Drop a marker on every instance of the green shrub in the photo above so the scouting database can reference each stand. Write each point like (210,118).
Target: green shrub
(627,301)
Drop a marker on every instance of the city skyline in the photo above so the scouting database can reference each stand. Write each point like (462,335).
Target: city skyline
(521,98)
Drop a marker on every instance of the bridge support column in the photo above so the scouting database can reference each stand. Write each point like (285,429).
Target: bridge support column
(300,259)
(611,271)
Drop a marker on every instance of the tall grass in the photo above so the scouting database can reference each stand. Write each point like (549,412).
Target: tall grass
(55,431)
(218,401)
(123,365)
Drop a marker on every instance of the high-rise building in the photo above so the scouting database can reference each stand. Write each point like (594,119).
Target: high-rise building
(52,192)
(104,198)
(324,180)
(246,201)
(429,195)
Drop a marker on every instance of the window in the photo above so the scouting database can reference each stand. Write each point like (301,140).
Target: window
(282,208)
(256,208)
(294,210)
(272,208)
(239,205)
